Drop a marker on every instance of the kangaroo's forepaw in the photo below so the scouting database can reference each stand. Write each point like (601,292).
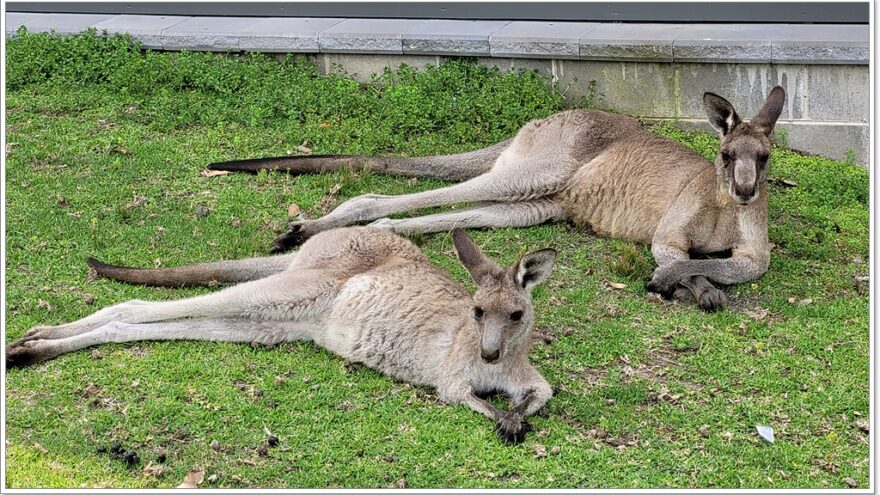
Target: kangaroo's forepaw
(24,353)
(661,286)
(512,429)
(712,300)
(295,235)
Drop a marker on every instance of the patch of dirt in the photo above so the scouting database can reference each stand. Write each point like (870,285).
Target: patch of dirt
(138,352)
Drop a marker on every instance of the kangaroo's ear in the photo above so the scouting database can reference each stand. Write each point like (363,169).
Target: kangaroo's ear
(534,268)
(767,115)
(721,114)
(470,255)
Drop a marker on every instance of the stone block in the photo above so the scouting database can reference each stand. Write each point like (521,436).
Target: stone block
(821,44)
(632,42)
(551,40)
(451,37)
(65,23)
(213,34)
(371,36)
(724,42)
(145,28)
(285,34)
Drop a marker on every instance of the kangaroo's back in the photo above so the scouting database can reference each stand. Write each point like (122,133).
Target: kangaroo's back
(625,189)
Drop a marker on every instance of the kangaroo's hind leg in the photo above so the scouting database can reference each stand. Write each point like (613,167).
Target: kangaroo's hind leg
(23,353)
(512,179)
(292,295)
(521,214)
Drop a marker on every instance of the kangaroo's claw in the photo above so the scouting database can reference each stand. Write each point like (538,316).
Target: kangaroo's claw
(295,236)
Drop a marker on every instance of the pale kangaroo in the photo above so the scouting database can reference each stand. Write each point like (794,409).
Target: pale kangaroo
(596,169)
(360,292)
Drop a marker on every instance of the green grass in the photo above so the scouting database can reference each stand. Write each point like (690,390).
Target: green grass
(105,146)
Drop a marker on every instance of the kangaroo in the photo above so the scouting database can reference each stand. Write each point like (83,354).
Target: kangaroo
(596,169)
(366,295)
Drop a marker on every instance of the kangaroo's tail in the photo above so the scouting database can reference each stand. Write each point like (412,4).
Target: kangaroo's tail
(457,167)
(210,274)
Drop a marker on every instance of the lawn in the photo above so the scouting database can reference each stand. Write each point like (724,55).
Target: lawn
(105,145)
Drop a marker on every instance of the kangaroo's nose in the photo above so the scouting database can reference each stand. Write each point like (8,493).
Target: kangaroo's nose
(745,191)
(491,356)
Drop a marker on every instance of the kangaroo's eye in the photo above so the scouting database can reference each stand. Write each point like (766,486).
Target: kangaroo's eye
(763,158)
(478,312)
(726,158)
(516,315)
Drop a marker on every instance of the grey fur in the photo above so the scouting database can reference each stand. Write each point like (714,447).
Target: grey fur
(604,171)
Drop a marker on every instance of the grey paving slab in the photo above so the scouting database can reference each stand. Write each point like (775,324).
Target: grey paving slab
(216,34)
(14,20)
(821,44)
(145,28)
(540,39)
(377,36)
(724,42)
(65,23)
(286,34)
(633,42)
(451,37)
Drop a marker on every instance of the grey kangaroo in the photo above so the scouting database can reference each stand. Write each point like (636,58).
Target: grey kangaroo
(363,293)
(596,169)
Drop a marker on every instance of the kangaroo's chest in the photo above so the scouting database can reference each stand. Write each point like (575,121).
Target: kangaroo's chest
(716,232)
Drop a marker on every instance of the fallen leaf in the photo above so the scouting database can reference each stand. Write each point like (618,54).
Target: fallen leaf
(214,173)
(303,149)
(135,383)
(704,431)
(727,436)
(193,479)
(293,210)
(782,182)
(622,442)
(540,451)
(766,433)
(863,425)
(324,125)
(151,470)
(215,445)
(804,302)
(617,285)
(757,314)
(555,450)
(96,354)
(851,482)
(792,300)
